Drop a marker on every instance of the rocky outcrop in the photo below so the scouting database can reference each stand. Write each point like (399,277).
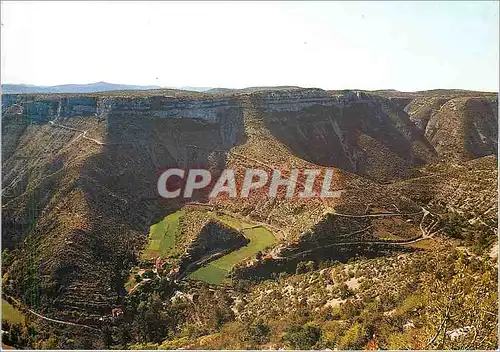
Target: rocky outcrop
(167,107)
(41,108)
(224,112)
(299,99)
(292,100)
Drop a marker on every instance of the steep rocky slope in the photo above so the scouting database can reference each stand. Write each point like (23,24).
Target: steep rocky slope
(460,125)
(354,131)
(464,128)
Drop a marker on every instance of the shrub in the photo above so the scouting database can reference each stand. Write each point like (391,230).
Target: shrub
(350,309)
(453,225)
(310,266)
(301,268)
(148,274)
(256,333)
(302,337)
(354,338)
(345,292)
(332,331)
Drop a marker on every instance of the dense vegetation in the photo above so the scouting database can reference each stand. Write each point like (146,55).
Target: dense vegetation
(413,305)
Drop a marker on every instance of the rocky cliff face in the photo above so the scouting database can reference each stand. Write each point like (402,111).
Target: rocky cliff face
(224,112)
(421,109)
(41,110)
(299,99)
(355,131)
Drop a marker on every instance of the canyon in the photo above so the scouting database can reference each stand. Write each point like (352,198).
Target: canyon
(80,172)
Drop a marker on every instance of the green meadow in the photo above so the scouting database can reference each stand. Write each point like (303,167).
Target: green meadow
(11,314)
(216,271)
(162,236)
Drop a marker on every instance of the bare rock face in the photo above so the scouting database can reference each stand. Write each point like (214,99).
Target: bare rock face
(292,100)
(222,111)
(41,109)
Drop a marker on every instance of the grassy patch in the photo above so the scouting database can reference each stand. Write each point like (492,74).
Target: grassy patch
(259,237)
(210,274)
(162,236)
(10,313)
(216,271)
(162,239)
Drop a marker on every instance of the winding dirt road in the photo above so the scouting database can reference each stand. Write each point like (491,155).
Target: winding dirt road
(26,309)
(83,132)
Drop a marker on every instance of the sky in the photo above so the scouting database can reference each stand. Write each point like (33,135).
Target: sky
(406,46)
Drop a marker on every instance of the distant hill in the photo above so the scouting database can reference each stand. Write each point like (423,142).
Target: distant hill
(195,89)
(71,88)
(248,89)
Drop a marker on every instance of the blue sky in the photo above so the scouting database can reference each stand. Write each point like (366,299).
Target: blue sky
(332,45)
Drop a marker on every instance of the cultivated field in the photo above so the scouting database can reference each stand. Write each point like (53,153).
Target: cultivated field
(215,272)
(162,236)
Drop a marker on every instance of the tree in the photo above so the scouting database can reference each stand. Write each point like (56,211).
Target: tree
(354,338)
(302,337)
(453,225)
(256,333)
(153,321)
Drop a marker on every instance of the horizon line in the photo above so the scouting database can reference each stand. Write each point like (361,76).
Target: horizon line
(179,87)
